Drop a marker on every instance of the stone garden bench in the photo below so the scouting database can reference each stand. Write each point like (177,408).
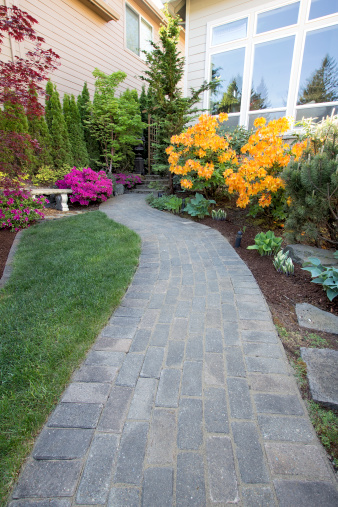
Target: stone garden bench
(61,196)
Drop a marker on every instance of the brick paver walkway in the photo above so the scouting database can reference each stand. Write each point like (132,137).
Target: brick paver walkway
(186,398)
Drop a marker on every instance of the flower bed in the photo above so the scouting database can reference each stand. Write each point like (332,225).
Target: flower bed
(19,209)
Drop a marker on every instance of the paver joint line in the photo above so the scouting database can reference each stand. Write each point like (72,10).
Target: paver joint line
(186,398)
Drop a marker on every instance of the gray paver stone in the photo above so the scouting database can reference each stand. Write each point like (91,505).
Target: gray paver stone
(75,415)
(306,494)
(144,394)
(153,362)
(65,443)
(265,365)
(158,487)
(95,374)
(130,370)
(194,348)
(115,410)
(190,424)
(175,353)
(105,358)
(296,459)
(131,453)
(322,373)
(48,479)
(192,378)
(249,453)
(190,484)
(123,497)
(239,398)
(235,362)
(258,497)
(215,410)
(141,340)
(160,335)
(50,502)
(214,369)
(213,340)
(86,392)
(221,470)
(278,404)
(168,388)
(95,481)
(262,350)
(311,317)
(162,437)
(292,429)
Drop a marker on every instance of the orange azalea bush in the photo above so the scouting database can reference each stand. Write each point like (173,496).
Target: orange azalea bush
(267,155)
(200,156)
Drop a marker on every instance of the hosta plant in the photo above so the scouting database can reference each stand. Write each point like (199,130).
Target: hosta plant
(326,276)
(283,263)
(199,206)
(173,204)
(266,243)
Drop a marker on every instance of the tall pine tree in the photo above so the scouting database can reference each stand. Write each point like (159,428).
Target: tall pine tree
(75,131)
(169,109)
(92,144)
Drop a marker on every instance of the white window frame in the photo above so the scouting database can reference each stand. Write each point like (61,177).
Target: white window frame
(140,19)
(298,30)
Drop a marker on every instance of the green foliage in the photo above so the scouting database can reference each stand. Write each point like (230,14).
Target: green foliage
(313,340)
(174,204)
(158,202)
(92,144)
(115,121)
(218,214)
(169,109)
(326,276)
(266,243)
(199,206)
(237,136)
(325,423)
(312,186)
(47,175)
(277,211)
(75,131)
(61,149)
(48,104)
(283,263)
(13,119)
(38,130)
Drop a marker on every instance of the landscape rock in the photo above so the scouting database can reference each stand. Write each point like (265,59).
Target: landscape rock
(311,317)
(119,189)
(301,254)
(322,373)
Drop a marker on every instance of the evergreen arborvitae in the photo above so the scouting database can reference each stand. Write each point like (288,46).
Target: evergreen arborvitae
(38,130)
(92,144)
(75,131)
(60,148)
(48,113)
(144,115)
(13,119)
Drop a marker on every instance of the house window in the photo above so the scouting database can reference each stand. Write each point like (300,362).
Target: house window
(280,61)
(138,33)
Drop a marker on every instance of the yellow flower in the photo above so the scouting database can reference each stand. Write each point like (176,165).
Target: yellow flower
(185,183)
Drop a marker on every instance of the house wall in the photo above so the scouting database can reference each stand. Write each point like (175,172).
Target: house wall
(85,41)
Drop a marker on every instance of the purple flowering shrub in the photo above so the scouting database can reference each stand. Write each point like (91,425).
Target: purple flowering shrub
(87,185)
(18,209)
(128,180)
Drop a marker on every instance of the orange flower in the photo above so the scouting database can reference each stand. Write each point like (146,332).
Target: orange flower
(186,183)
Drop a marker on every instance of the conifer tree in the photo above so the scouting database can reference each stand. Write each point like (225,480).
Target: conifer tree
(13,119)
(92,144)
(60,147)
(38,130)
(75,131)
(48,113)
(169,108)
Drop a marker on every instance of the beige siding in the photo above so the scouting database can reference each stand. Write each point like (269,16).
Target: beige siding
(85,41)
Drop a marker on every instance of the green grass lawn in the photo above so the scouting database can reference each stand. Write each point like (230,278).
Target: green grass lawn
(69,275)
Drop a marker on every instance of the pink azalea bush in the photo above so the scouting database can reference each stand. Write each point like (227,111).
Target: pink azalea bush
(128,180)
(18,209)
(87,185)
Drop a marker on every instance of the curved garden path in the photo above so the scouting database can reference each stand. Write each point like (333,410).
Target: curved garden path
(186,398)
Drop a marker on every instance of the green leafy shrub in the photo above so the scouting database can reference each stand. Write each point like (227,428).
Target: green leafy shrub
(283,263)
(199,206)
(47,175)
(266,243)
(158,202)
(326,276)
(174,204)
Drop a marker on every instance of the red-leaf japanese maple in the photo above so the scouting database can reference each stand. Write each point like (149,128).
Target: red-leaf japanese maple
(21,85)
